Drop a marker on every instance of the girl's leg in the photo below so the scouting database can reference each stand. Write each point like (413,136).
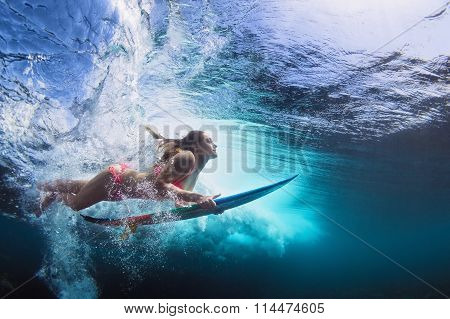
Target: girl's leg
(78,194)
(92,192)
(66,198)
(63,186)
(55,188)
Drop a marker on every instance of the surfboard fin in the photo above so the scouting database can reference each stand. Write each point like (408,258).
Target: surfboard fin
(129,229)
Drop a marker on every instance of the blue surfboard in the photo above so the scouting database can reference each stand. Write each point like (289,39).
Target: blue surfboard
(194,211)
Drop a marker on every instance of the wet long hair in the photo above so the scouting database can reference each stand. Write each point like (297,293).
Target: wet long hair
(171,146)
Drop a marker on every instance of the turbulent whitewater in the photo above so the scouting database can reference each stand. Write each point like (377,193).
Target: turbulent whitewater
(77,78)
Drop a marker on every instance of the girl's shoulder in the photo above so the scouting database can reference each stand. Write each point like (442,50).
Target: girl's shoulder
(179,157)
(183,155)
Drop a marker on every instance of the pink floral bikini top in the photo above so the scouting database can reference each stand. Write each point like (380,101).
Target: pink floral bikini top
(157,170)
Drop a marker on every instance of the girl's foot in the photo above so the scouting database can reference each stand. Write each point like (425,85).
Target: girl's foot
(48,199)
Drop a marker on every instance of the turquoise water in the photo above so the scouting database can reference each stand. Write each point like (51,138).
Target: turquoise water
(309,87)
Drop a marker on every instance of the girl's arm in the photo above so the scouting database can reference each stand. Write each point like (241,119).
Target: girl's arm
(179,167)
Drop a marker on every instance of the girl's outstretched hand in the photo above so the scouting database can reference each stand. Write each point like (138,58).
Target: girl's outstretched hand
(182,203)
(207,201)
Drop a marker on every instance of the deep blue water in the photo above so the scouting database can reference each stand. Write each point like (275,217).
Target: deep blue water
(310,87)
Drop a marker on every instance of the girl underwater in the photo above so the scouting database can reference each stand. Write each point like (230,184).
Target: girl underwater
(173,176)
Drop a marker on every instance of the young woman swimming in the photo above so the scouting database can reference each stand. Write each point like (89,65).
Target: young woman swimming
(173,176)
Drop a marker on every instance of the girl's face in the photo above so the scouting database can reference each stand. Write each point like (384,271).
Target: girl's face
(207,146)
